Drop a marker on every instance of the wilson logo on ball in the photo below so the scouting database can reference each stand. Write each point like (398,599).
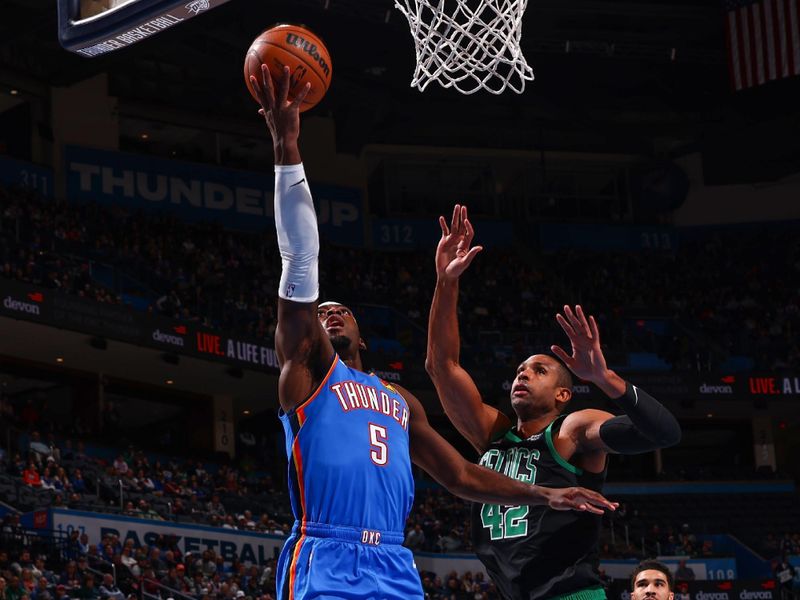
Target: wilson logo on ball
(292,39)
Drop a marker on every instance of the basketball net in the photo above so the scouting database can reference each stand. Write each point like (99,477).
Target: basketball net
(469,45)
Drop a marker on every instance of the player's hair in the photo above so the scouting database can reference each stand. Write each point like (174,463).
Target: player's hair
(654,565)
(564,374)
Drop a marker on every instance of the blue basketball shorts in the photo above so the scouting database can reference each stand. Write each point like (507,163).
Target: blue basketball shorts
(325,562)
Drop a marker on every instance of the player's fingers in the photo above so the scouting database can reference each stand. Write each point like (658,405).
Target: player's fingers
(470,232)
(283,87)
(566,326)
(561,353)
(592,509)
(443,225)
(598,499)
(301,95)
(267,89)
(256,87)
(454,219)
(594,329)
(573,320)
(582,320)
(472,254)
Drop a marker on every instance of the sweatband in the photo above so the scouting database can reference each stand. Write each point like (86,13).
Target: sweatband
(646,425)
(298,235)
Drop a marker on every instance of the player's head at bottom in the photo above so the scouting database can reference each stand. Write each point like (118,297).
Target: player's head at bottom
(542,384)
(652,580)
(340,324)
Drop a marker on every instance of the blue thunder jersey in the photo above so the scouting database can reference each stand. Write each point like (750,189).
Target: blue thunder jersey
(350,483)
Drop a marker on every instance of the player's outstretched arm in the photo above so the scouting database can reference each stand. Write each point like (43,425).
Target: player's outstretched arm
(437,457)
(462,402)
(646,424)
(304,352)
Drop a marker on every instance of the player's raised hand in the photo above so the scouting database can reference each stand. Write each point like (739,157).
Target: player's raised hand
(579,499)
(454,254)
(281,114)
(587,360)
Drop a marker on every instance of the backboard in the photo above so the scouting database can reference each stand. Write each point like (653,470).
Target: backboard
(96,27)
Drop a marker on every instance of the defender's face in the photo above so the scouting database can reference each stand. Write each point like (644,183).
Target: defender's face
(536,384)
(651,585)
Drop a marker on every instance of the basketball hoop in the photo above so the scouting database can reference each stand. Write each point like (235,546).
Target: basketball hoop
(469,45)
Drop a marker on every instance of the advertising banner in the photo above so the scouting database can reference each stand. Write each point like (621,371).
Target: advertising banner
(122,323)
(703,568)
(197,192)
(409,234)
(19,173)
(249,547)
(765,589)
(558,236)
(699,386)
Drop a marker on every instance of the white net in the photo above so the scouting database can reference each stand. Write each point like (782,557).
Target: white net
(469,45)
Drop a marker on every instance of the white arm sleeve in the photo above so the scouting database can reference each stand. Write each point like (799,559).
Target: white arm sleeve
(298,235)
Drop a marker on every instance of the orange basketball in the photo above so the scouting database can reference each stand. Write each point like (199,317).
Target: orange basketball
(304,53)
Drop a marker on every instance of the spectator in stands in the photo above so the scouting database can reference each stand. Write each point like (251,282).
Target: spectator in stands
(15,590)
(43,570)
(88,590)
(120,466)
(30,476)
(147,512)
(83,544)
(77,482)
(83,567)
(61,592)
(415,538)
(683,572)
(27,580)
(172,580)
(128,559)
(109,590)
(24,562)
(41,591)
(450,542)
(3,588)
(785,574)
(70,574)
(215,507)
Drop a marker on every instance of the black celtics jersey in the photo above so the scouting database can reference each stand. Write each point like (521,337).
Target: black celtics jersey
(534,552)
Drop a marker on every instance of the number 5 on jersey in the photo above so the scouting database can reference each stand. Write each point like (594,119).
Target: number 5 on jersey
(379,451)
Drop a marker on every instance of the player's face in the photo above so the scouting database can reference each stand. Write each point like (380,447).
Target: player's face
(651,585)
(536,386)
(339,323)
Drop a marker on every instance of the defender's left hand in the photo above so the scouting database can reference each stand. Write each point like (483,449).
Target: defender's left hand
(587,360)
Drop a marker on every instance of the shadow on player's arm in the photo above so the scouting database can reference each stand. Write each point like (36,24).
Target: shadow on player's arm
(646,425)
(476,421)
(431,452)
(304,351)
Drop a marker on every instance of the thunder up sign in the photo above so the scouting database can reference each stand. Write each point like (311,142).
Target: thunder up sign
(197,192)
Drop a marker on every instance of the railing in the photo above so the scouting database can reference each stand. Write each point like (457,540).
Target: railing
(37,541)
(171,592)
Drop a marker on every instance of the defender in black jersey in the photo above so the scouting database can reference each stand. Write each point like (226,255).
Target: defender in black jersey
(534,552)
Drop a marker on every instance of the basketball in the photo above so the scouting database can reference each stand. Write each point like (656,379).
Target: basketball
(298,48)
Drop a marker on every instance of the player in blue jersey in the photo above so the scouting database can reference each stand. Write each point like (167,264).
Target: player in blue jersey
(351,437)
